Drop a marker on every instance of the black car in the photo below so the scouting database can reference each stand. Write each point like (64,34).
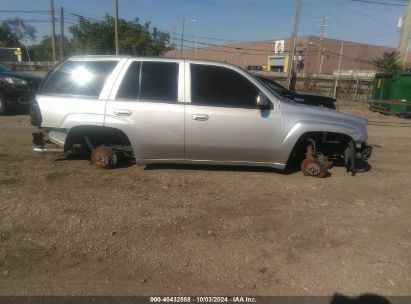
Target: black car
(299,97)
(16,89)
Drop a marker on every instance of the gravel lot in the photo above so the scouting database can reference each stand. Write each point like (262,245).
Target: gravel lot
(68,228)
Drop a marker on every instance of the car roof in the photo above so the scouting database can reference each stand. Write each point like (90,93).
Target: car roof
(119,57)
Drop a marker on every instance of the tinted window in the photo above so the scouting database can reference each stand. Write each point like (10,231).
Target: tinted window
(84,78)
(159,81)
(220,86)
(130,86)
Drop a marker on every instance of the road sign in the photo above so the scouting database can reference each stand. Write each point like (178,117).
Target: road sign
(279,47)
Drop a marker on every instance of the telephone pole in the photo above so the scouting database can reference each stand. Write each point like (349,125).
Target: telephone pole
(339,70)
(53,30)
(182,38)
(290,63)
(61,33)
(405,33)
(116,26)
(174,40)
(323,26)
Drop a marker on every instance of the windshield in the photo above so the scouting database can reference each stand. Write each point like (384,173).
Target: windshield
(273,86)
(3,68)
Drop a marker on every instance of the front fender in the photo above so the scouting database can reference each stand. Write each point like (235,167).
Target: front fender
(302,127)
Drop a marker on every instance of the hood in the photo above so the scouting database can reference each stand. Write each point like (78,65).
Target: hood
(24,76)
(305,94)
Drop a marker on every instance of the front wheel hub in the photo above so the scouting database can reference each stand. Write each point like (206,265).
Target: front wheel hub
(310,167)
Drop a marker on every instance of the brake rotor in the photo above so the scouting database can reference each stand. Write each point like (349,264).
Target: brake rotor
(310,167)
(104,157)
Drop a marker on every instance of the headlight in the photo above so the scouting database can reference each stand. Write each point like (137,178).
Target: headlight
(16,81)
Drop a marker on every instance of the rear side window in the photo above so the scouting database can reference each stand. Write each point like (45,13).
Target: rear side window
(219,86)
(159,81)
(130,86)
(82,78)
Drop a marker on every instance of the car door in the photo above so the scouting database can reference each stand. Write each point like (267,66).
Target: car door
(145,105)
(222,121)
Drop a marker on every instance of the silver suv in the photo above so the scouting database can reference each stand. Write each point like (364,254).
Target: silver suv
(166,110)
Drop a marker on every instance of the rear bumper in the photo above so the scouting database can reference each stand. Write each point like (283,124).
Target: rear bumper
(40,142)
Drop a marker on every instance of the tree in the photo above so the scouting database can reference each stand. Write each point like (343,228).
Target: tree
(97,37)
(22,30)
(388,62)
(43,51)
(7,37)
(14,32)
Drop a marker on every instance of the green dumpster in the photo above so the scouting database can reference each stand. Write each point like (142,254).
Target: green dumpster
(391,94)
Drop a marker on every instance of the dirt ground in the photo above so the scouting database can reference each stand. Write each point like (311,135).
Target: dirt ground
(68,228)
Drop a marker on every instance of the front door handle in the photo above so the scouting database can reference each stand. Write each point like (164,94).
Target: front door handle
(200,117)
(122,112)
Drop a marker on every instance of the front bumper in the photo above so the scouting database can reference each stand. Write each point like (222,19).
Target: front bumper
(18,97)
(363,153)
(356,156)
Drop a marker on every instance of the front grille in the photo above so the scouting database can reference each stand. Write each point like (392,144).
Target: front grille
(25,99)
(35,85)
(23,88)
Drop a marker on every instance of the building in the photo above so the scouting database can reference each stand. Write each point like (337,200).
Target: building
(309,59)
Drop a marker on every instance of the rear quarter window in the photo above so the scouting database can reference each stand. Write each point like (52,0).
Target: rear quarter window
(79,78)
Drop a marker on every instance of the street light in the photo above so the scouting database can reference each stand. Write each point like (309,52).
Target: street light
(322,54)
(182,37)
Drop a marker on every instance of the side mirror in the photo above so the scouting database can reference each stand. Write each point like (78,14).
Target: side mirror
(262,101)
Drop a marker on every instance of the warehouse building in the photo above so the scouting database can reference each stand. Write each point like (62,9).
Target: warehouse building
(309,59)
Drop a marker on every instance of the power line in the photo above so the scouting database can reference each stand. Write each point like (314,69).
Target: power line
(26,20)
(378,2)
(361,13)
(247,51)
(26,11)
(84,17)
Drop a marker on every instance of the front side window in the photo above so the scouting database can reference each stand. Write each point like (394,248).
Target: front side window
(159,81)
(219,86)
(81,78)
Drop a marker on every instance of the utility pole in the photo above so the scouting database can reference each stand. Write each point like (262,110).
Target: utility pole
(182,38)
(405,33)
(116,26)
(321,45)
(53,31)
(290,63)
(174,40)
(61,33)
(339,70)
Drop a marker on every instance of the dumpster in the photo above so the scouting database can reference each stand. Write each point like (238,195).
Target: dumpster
(391,94)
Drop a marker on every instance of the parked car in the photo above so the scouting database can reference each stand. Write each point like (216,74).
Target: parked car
(16,89)
(254,68)
(162,110)
(300,97)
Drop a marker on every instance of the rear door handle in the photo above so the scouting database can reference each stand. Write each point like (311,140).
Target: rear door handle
(200,117)
(122,112)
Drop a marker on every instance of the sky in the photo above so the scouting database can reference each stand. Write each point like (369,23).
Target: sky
(230,21)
